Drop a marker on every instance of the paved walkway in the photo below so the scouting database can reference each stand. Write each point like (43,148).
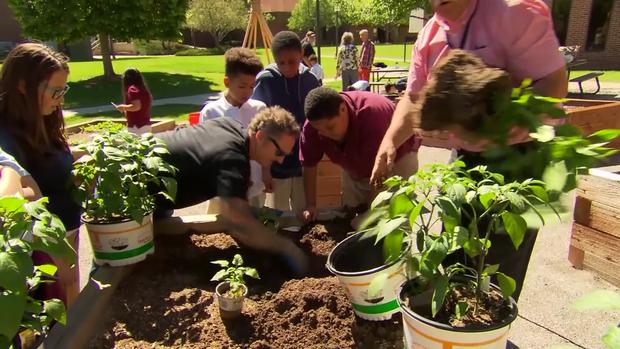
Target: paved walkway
(195,99)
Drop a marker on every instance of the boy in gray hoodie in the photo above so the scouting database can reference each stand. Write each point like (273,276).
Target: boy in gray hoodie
(286,83)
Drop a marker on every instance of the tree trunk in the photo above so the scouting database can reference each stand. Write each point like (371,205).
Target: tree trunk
(104,42)
(193,36)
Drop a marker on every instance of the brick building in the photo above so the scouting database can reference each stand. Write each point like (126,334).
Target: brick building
(592,24)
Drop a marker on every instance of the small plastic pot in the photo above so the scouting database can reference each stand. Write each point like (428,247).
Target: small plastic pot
(230,307)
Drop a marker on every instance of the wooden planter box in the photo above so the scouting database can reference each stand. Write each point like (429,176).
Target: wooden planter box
(329,185)
(588,115)
(595,240)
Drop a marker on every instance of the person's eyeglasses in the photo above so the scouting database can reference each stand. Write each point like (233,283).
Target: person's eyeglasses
(56,92)
(279,151)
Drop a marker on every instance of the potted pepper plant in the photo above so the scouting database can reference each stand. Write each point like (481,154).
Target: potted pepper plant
(231,291)
(120,175)
(26,227)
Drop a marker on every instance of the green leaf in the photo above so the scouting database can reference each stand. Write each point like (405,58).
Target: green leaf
(544,133)
(400,204)
(220,275)
(11,277)
(516,201)
(486,199)
(490,270)
(555,176)
(415,213)
(376,285)
(221,263)
(439,295)
(372,218)
(448,208)
(393,245)
(56,309)
(612,338)
(515,227)
(48,269)
(171,186)
(381,198)
(540,192)
(237,260)
(606,135)
(392,181)
(390,226)
(506,284)
(598,300)
(251,272)
(456,192)
(461,309)
(12,305)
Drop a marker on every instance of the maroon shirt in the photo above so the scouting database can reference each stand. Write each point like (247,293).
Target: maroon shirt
(141,117)
(369,118)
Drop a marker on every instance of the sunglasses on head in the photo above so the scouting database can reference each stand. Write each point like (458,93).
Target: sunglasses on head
(56,92)
(279,151)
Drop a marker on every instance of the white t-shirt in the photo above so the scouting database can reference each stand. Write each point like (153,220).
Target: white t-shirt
(9,161)
(317,70)
(245,114)
(221,107)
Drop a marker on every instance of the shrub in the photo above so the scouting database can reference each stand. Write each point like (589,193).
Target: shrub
(214,51)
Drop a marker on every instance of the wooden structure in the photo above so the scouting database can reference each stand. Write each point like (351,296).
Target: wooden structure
(329,185)
(258,25)
(595,239)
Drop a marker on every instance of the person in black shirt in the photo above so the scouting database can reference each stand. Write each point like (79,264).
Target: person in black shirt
(213,160)
(306,46)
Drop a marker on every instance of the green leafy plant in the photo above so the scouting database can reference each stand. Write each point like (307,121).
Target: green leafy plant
(234,273)
(26,227)
(104,127)
(120,176)
(268,217)
(471,205)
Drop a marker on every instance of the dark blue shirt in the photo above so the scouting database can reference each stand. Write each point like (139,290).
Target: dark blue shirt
(52,172)
(272,88)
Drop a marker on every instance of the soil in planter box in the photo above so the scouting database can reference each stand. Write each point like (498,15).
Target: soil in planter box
(169,300)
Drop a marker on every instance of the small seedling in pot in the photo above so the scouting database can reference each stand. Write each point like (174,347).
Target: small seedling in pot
(234,273)
(232,290)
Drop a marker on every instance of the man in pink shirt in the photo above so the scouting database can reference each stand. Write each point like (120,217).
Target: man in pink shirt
(348,127)
(514,35)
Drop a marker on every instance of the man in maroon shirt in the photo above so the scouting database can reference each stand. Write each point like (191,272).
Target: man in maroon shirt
(348,127)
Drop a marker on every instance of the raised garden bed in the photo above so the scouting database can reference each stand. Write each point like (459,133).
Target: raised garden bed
(81,132)
(168,301)
(595,240)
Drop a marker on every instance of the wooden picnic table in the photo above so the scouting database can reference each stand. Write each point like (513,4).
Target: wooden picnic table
(381,76)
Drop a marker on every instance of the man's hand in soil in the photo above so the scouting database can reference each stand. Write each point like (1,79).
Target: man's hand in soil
(240,223)
(309,214)
(384,162)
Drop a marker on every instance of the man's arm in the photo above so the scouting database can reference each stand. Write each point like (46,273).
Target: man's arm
(10,183)
(404,122)
(241,224)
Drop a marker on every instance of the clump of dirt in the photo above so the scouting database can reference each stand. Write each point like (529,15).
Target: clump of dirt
(169,301)
(462,90)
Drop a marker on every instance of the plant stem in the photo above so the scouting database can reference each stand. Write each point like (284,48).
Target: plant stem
(481,261)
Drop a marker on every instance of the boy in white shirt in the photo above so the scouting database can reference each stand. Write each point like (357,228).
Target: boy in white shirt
(316,68)
(242,66)
(14,179)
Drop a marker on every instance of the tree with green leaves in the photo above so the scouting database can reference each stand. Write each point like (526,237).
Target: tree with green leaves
(72,20)
(303,16)
(218,17)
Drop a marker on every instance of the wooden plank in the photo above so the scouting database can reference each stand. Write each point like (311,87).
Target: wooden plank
(599,190)
(599,244)
(329,201)
(86,314)
(328,169)
(206,223)
(575,257)
(594,118)
(597,216)
(603,268)
(329,186)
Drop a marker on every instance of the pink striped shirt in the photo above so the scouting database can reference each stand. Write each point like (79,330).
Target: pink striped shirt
(514,35)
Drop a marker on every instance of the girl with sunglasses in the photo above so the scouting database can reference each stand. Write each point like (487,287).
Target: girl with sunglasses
(33,81)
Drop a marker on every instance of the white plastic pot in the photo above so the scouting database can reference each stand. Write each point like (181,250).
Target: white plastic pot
(421,332)
(123,243)
(230,307)
(369,256)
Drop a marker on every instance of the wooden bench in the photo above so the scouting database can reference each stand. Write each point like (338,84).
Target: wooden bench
(586,77)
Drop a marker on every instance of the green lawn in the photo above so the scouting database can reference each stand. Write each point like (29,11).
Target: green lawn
(170,111)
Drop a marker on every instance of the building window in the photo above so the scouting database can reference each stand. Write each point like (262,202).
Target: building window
(561,14)
(599,24)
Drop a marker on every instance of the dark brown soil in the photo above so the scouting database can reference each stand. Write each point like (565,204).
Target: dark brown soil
(492,309)
(169,301)
(462,91)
